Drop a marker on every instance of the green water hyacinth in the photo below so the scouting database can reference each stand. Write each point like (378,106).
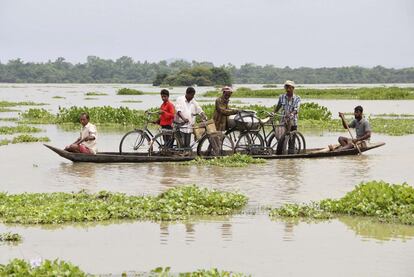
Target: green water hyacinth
(10,237)
(8,130)
(236,160)
(174,204)
(94,93)
(28,138)
(18,267)
(380,200)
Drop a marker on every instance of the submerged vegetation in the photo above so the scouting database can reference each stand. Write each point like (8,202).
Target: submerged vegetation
(236,160)
(174,204)
(10,237)
(129,91)
(376,93)
(380,200)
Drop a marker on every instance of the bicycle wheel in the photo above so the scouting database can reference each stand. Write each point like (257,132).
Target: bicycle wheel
(293,143)
(164,143)
(250,143)
(302,140)
(234,135)
(136,141)
(272,142)
(225,146)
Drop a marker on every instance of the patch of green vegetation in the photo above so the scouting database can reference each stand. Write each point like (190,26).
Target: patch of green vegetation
(7,110)
(393,127)
(95,93)
(131,101)
(9,130)
(165,272)
(270,86)
(104,114)
(174,204)
(18,267)
(4,142)
(9,119)
(377,199)
(58,97)
(392,115)
(38,116)
(25,103)
(10,237)
(28,138)
(308,111)
(197,75)
(129,91)
(378,93)
(90,98)
(236,160)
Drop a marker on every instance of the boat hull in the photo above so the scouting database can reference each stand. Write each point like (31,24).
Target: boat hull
(116,157)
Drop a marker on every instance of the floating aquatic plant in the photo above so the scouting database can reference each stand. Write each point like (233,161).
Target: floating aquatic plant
(174,204)
(383,201)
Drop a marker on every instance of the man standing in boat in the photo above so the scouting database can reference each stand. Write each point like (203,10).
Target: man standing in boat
(187,109)
(222,111)
(86,143)
(288,104)
(362,128)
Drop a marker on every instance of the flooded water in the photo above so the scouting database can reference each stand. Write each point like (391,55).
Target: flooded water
(249,243)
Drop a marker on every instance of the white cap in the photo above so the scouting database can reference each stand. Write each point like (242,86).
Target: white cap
(290,83)
(227,88)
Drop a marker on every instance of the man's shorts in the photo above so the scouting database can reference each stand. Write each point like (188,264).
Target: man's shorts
(84,149)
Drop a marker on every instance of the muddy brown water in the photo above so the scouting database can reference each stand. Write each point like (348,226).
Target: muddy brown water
(249,242)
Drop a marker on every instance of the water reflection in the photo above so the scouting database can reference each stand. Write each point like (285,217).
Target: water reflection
(369,228)
(82,170)
(290,171)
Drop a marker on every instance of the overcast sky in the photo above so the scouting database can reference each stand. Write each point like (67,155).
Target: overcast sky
(313,33)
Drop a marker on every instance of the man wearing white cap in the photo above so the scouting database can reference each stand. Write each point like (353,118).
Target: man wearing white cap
(289,104)
(222,111)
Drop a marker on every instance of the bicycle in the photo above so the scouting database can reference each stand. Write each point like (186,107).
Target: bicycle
(251,138)
(293,141)
(209,142)
(138,140)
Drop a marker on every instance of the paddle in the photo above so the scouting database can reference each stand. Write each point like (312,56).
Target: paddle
(352,137)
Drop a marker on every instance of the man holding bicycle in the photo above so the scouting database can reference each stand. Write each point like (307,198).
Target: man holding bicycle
(187,109)
(222,111)
(289,104)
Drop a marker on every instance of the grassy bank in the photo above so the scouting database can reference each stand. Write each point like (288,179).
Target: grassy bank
(174,204)
(24,138)
(378,93)
(380,200)
(9,130)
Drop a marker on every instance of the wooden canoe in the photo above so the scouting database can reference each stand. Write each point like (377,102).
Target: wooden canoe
(116,157)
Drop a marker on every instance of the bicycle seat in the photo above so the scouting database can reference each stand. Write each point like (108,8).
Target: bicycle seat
(265,120)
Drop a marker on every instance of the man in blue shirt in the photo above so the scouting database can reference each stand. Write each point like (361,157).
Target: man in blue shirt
(288,104)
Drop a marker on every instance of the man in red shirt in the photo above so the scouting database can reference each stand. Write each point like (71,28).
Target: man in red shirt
(167,113)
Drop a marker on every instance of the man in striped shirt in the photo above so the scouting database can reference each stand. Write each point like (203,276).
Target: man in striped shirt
(288,104)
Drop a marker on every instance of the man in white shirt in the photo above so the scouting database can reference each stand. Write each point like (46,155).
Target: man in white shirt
(86,143)
(187,109)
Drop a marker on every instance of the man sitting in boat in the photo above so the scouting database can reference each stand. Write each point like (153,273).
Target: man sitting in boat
(187,109)
(362,128)
(222,111)
(289,104)
(86,143)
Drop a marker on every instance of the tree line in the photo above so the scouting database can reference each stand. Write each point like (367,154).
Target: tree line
(126,70)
